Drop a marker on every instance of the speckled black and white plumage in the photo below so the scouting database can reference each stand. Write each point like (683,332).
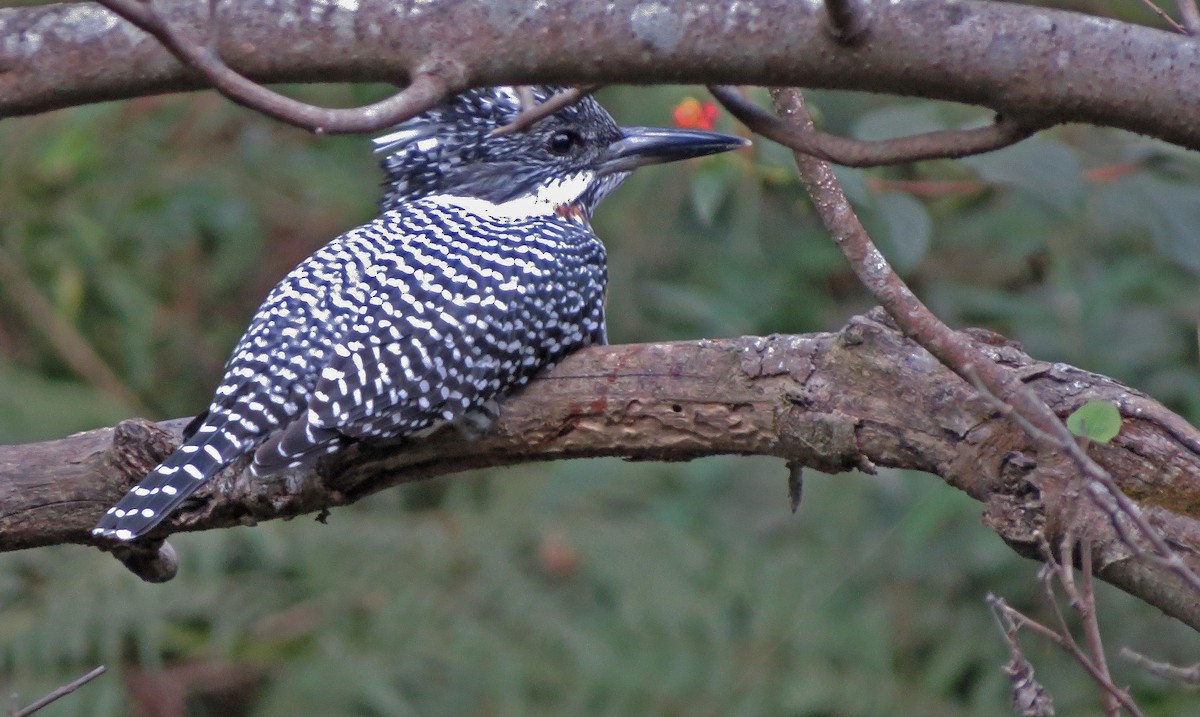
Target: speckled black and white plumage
(481,271)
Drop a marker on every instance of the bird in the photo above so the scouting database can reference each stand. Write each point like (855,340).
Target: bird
(480,271)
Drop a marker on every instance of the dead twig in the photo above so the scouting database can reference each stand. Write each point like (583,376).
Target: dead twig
(1012,620)
(60,692)
(1083,601)
(424,90)
(1085,604)
(943,144)
(1165,17)
(1189,675)
(1029,697)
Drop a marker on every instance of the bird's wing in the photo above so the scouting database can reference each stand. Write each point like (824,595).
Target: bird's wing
(394,387)
(445,328)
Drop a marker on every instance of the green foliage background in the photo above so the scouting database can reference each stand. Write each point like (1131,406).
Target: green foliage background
(154,227)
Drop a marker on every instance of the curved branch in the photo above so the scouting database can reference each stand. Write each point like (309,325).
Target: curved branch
(821,401)
(1043,66)
(424,91)
(942,144)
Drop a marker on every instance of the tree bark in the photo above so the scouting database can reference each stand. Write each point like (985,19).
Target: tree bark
(865,396)
(1031,63)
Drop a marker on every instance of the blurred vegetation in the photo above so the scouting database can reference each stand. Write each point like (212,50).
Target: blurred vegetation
(153,228)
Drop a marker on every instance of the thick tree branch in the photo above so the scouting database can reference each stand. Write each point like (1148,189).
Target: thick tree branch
(1039,65)
(822,400)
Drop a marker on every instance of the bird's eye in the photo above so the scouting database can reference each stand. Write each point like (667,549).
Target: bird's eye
(562,142)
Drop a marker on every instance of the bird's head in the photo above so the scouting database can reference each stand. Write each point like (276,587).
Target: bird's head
(571,159)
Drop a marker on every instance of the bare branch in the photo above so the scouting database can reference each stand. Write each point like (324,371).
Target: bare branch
(1189,675)
(1029,698)
(61,692)
(424,91)
(1084,603)
(944,144)
(1154,8)
(59,55)
(1062,638)
(826,401)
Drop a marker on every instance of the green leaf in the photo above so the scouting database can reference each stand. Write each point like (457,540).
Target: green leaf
(1098,421)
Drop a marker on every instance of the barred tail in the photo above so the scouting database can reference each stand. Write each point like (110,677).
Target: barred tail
(168,485)
(297,444)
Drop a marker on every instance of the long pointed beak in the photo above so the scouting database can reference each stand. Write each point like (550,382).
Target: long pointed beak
(653,145)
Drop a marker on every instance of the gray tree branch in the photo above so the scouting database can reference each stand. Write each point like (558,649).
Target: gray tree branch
(859,398)
(1036,65)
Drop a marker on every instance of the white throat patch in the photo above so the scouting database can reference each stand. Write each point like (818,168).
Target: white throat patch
(544,202)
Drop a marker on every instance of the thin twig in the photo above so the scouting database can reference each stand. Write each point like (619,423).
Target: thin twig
(1063,639)
(1086,607)
(942,144)
(531,114)
(1165,17)
(1006,409)
(61,692)
(1028,696)
(525,95)
(425,89)
(1189,675)
(1066,639)
(68,343)
(1104,489)
(1084,604)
